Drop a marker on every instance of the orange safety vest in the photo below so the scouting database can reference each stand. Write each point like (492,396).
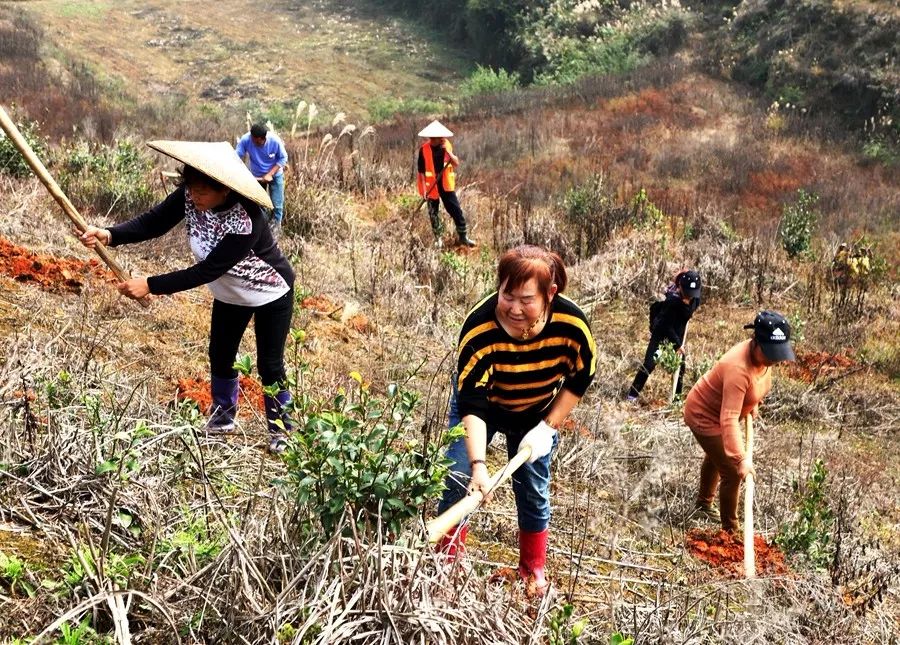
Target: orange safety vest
(426,179)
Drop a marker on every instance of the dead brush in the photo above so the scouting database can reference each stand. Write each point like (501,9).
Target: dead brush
(160,533)
(341,158)
(363,589)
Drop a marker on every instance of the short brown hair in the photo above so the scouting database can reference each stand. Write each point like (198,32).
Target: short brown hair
(517,266)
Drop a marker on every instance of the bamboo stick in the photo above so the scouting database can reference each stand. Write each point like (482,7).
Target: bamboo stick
(443,523)
(749,490)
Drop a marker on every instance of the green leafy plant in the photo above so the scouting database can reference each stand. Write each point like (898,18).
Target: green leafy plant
(667,357)
(809,532)
(620,639)
(244,364)
(798,327)
(646,214)
(194,543)
(14,574)
(561,629)
(355,455)
(456,263)
(124,456)
(81,566)
(80,635)
(11,160)
(59,390)
(797,223)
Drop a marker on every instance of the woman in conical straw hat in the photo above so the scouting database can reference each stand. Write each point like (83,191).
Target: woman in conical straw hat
(237,258)
(437,180)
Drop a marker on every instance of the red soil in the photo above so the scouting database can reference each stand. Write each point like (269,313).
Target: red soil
(812,365)
(360,323)
(319,303)
(197,390)
(722,551)
(50,273)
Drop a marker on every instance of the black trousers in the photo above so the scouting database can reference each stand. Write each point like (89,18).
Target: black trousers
(271,323)
(451,203)
(645,370)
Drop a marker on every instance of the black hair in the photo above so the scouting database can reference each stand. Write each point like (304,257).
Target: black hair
(258,130)
(190,176)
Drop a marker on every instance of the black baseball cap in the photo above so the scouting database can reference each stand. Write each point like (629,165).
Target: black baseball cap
(773,333)
(689,281)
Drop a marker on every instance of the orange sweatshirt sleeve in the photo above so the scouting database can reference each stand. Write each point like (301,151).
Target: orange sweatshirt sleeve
(734,390)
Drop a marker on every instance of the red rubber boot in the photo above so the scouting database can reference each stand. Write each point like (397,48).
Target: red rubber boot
(453,544)
(532,559)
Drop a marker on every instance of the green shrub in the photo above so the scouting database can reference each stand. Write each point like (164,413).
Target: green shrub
(106,178)
(11,160)
(485,80)
(614,54)
(387,108)
(357,456)
(645,214)
(797,222)
(809,533)
(667,358)
(880,150)
(590,209)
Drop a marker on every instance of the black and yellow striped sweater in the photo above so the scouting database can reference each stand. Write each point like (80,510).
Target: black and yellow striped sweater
(510,382)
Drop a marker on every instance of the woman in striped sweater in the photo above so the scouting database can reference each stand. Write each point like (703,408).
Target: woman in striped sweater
(526,356)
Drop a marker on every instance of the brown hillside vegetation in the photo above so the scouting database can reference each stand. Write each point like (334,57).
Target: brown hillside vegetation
(119,512)
(179,57)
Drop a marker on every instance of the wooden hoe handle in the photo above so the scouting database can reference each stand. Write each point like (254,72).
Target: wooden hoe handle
(443,523)
(44,175)
(749,486)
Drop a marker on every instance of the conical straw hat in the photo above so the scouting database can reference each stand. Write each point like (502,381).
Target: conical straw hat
(219,161)
(435,129)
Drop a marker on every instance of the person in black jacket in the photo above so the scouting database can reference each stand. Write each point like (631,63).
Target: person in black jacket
(238,260)
(668,321)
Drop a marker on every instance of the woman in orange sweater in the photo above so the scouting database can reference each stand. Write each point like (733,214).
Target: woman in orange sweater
(727,393)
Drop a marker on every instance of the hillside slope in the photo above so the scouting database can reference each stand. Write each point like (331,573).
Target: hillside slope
(119,514)
(246,55)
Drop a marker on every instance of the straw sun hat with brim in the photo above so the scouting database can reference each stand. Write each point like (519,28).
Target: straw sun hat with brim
(435,129)
(219,161)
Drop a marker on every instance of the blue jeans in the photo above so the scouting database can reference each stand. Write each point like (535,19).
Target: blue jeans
(531,482)
(276,193)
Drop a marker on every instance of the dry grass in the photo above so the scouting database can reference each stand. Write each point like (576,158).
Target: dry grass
(305,50)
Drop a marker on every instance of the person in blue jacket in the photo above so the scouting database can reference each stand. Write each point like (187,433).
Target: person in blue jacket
(268,159)
(668,321)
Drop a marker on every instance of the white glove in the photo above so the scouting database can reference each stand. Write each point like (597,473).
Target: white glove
(540,438)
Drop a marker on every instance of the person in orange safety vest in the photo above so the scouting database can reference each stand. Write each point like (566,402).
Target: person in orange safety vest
(437,180)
